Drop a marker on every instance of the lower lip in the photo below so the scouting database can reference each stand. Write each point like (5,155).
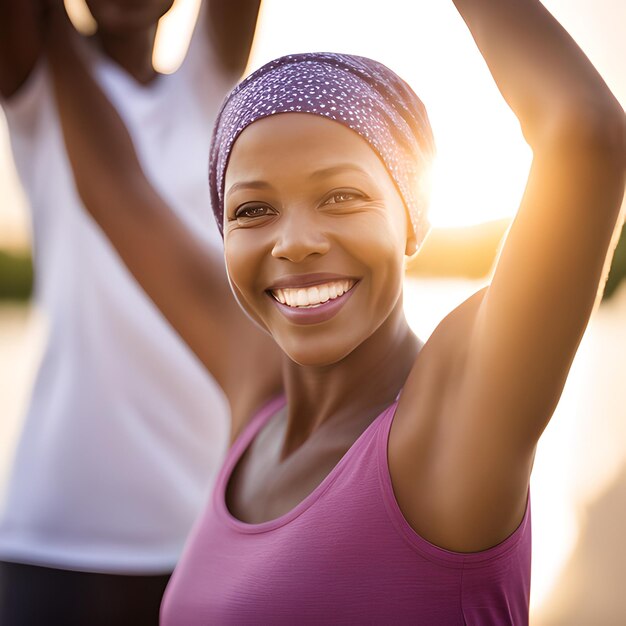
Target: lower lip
(315,314)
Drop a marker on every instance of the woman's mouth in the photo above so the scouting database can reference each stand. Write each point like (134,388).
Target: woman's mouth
(309,297)
(313,304)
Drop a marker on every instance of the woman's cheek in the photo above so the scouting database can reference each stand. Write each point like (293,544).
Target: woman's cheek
(242,268)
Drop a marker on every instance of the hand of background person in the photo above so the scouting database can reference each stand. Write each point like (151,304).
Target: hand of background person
(22,29)
(231,27)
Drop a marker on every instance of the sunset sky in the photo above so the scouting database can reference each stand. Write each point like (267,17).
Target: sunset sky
(482,158)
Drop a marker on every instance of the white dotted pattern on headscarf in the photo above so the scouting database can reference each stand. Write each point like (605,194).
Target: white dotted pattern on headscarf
(357,92)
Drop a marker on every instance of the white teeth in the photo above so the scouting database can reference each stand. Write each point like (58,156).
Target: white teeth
(312,296)
(323,291)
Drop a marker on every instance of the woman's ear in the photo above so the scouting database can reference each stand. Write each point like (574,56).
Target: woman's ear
(411,244)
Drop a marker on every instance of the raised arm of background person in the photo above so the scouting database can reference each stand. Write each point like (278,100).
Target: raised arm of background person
(186,280)
(510,346)
(21,42)
(231,25)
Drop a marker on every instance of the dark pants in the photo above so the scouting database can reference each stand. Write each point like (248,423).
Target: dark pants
(42,596)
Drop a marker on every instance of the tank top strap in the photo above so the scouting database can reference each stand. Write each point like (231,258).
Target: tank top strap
(247,435)
(254,426)
(466,560)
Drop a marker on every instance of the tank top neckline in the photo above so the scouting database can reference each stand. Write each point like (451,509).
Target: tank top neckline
(242,444)
(378,429)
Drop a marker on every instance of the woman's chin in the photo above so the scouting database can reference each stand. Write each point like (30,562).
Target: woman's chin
(312,353)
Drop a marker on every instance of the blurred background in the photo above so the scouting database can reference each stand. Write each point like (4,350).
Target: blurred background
(579,481)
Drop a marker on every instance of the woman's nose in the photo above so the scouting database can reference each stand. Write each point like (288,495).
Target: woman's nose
(298,237)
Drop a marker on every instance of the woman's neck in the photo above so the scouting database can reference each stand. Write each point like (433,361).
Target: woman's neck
(132,51)
(361,384)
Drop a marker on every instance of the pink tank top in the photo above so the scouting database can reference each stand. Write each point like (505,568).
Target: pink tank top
(344,555)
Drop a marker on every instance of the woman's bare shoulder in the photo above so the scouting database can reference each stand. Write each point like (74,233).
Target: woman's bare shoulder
(441,478)
(443,354)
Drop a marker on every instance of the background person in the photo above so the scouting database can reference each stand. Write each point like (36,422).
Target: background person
(125,429)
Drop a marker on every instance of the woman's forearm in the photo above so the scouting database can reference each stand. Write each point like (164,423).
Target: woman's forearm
(184,277)
(542,73)
(101,152)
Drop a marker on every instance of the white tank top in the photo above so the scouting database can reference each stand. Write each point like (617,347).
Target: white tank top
(125,429)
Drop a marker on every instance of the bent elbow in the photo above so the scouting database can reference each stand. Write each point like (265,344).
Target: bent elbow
(597,129)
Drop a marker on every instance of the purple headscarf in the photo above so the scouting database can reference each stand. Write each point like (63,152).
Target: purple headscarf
(357,92)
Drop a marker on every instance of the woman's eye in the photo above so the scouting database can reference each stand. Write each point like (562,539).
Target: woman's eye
(252,210)
(342,196)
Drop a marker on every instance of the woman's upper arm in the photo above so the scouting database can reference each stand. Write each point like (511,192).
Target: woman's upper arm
(184,276)
(186,279)
(504,355)
(529,324)
(546,281)
(489,377)
(516,343)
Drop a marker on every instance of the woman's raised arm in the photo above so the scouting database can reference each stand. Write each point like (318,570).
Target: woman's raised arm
(185,279)
(506,352)
(531,319)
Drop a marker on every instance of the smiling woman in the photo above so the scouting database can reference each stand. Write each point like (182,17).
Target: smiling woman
(306,208)
(372,478)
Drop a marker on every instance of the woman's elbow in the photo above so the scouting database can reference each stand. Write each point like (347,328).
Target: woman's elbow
(599,129)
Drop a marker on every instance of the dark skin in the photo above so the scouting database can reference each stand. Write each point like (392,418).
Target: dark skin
(125,34)
(478,394)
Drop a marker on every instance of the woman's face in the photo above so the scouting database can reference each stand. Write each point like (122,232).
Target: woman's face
(315,235)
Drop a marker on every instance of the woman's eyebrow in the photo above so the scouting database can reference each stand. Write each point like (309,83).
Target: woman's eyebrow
(248,184)
(338,169)
(322,173)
